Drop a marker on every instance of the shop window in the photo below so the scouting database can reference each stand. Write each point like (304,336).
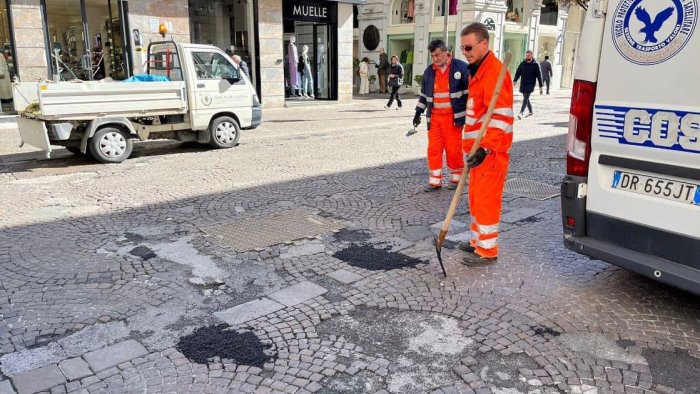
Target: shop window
(227,25)
(7,64)
(403,11)
(451,5)
(515,10)
(550,13)
(96,53)
(402,47)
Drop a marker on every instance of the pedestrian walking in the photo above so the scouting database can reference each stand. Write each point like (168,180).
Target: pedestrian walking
(489,164)
(443,97)
(382,66)
(363,72)
(546,69)
(529,71)
(395,82)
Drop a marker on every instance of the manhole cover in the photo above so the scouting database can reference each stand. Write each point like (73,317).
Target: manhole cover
(207,343)
(531,189)
(370,258)
(254,233)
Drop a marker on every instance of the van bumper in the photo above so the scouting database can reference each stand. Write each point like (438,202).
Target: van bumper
(591,234)
(657,268)
(257,117)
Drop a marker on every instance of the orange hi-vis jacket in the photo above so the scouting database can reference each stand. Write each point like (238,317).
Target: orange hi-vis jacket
(486,181)
(499,134)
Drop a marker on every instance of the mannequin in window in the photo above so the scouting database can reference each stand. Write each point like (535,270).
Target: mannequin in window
(307,81)
(293,61)
(5,82)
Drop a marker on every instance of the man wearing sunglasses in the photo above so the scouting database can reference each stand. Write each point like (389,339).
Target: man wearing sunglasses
(489,164)
(443,96)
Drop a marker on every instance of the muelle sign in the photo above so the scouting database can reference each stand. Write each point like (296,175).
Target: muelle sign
(311,11)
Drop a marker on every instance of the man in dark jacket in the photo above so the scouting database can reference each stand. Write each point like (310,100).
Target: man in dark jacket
(546,69)
(529,70)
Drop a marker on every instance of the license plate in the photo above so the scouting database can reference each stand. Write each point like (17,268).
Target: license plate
(657,187)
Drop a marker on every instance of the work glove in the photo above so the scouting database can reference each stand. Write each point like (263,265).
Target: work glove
(477,158)
(416,119)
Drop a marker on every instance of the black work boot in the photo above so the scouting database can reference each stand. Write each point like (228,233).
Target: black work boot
(474,260)
(466,247)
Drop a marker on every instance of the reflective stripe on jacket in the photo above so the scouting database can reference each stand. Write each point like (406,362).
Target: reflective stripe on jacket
(458,93)
(499,134)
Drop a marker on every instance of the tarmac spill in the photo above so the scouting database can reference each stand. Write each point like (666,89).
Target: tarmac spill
(219,341)
(370,258)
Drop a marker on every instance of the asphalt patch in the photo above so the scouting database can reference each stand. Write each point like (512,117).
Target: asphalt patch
(345,235)
(143,252)
(208,343)
(370,258)
(625,343)
(545,332)
(676,369)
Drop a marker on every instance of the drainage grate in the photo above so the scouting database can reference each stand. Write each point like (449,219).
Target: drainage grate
(255,233)
(531,189)
(370,258)
(206,344)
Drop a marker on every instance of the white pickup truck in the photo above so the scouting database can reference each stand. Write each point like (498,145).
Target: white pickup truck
(205,98)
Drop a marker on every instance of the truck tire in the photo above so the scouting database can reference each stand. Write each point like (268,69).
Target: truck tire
(110,145)
(224,132)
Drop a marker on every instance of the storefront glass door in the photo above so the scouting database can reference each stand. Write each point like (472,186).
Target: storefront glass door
(324,55)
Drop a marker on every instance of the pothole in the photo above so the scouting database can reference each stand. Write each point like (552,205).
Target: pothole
(545,332)
(143,251)
(420,347)
(370,258)
(209,343)
(345,235)
(503,373)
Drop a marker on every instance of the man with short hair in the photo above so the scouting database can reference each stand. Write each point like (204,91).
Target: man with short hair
(443,97)
(529,70)
(546,69)
(488,166)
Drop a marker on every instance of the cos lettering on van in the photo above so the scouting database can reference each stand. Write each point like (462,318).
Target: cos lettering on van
(655,128)
(650,32)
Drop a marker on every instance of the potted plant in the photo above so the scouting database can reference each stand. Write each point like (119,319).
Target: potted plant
(372,78)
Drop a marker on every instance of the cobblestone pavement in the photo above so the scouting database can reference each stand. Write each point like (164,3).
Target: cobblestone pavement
(128,278)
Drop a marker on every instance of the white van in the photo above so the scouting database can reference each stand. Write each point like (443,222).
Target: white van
(632,194)
(203,97)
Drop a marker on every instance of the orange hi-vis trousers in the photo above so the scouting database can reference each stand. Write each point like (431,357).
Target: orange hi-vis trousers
(486,183)
(444,136)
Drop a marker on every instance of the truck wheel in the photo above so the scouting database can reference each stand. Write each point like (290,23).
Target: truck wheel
(224,132)
(110,145)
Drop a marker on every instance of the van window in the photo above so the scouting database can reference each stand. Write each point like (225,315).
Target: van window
(212,65)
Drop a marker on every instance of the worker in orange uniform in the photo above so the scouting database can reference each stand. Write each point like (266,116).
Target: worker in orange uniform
(443,96)
(488,166)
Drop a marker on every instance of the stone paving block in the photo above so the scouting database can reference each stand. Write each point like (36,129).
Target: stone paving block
(40,379)
(6,387)
(248,311)
(111,356)
(519,214)
(75,368)
(298,293)
(344,276)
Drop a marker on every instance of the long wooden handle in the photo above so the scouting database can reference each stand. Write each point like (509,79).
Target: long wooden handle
(477,142)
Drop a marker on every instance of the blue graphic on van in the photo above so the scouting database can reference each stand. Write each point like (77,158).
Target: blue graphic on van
(654,128)
(649,32)
(696,200)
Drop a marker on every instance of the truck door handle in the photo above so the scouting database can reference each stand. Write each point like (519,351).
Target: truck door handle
(200,85)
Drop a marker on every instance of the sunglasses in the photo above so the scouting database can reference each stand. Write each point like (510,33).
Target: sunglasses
(468,48)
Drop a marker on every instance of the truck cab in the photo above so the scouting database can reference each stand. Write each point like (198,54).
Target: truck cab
(189,93)
(631,195)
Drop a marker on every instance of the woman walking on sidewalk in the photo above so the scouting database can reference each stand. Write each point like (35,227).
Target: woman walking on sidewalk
(395,81)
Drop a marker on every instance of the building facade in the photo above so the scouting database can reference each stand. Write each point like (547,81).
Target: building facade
(95,39)
(407,26)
